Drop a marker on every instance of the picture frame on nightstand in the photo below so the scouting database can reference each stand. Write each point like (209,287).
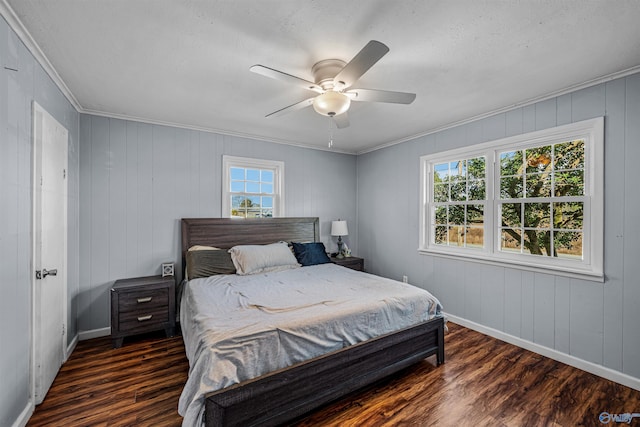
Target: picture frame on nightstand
(167,269)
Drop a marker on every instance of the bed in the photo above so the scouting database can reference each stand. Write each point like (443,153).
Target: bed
(311,338)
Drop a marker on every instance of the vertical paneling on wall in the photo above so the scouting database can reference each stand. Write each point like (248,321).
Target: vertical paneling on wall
(630,235)
(138,180)
(596,322)
(22,81)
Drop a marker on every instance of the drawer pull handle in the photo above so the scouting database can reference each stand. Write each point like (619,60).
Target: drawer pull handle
(143,318)
(145,299)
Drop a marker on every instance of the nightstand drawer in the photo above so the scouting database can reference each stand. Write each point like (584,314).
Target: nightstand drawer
(150,318)
(143,300)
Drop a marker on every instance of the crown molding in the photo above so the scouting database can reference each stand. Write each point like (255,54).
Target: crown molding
(223,132)
(531,101)
(25,37)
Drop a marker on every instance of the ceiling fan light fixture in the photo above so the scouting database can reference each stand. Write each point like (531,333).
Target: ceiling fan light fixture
(331,103)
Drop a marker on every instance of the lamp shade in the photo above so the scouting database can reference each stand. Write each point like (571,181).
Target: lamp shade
(331,103)
(339,228)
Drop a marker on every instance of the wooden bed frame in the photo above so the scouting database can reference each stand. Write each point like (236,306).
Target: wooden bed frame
(289,393)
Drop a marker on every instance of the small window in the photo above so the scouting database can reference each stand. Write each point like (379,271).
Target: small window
(533,200)
(252,188)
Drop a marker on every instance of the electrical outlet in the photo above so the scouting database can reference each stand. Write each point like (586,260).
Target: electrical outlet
(405,279)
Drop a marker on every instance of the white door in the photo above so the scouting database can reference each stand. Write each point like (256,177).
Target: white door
(49,249)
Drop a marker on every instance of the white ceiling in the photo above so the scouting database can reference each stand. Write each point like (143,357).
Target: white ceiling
(186,63)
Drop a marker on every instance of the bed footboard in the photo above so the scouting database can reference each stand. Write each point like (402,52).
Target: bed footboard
(288,393)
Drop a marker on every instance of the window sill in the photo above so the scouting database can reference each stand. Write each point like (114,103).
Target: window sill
(482,258)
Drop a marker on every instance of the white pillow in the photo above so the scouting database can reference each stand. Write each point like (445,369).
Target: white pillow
(252,259)
(202,248)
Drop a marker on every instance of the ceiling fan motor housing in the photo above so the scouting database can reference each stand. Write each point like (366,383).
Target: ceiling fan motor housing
(324,72)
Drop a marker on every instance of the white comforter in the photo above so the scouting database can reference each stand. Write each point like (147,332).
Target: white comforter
(240,327)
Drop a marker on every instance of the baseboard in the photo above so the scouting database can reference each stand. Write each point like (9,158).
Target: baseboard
(94,333)
(25,415)
(593,368)
(72,346)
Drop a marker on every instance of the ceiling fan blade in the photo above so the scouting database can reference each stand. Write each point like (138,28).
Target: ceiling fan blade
(374,95)
(293,107)
(284,77)
(341,120)
(369,55)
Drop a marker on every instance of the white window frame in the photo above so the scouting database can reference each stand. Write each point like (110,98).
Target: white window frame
(591,266)
(276,166)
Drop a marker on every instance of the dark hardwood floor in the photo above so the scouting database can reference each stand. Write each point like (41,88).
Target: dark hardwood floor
(484,382)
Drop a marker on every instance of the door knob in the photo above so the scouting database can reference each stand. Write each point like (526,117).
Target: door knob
(41,274)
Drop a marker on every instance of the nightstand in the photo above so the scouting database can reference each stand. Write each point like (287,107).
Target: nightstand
(142,304)
(352,262)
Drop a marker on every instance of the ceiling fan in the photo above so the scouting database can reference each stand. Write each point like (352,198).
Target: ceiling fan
(333,79)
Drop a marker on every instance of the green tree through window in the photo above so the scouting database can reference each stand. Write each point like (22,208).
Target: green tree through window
(533,200)
(541,192)
(459,191)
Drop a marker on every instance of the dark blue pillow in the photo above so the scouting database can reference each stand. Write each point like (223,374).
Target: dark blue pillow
(310,253)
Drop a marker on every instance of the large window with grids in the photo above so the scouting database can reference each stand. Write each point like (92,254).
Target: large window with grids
(252,188)
(533,200)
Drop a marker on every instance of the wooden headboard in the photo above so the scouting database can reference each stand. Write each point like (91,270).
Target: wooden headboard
(226,232)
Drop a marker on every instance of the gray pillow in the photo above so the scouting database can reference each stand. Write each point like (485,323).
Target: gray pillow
(205,263)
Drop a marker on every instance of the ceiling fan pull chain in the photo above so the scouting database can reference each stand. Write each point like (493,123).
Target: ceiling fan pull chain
(330,133)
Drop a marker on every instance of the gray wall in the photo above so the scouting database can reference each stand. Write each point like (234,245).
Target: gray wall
(137,180)
(596,322)
(22,80)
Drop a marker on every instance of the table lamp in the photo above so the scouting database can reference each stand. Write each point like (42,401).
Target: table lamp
(339,228)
